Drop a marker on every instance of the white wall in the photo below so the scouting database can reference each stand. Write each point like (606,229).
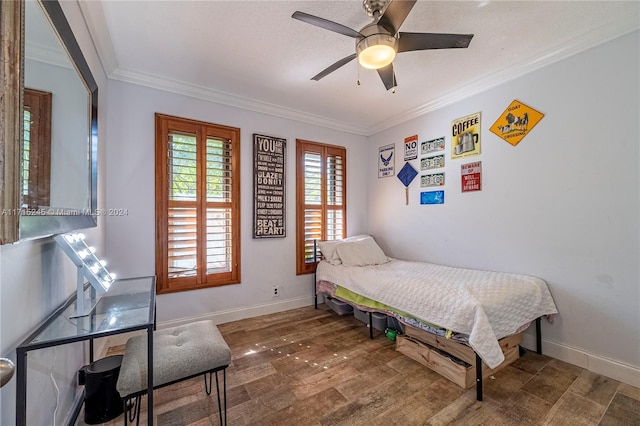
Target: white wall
(265,262)
(35,278)
(562,205)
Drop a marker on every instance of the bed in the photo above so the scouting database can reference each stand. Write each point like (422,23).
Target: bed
(474,308)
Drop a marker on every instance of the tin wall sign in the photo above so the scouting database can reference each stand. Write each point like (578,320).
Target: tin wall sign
(386,160)
(471,176)
(465,136)
(434,145)
(269,206)
(434,162)
(516,122)
(411,148)
(434,179)
(432,197)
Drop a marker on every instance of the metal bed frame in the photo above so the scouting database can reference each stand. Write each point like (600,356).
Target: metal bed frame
(478,359)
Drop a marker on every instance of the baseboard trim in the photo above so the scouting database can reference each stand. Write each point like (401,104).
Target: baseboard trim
(237,314)
(607,367)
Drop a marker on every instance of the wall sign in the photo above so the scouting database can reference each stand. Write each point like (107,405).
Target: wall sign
(465,136)
(411,148)
(515,122)
(434,179)
(471,176)
(386,160)
(432,145)
(269,156)
(432,197)
(434,162)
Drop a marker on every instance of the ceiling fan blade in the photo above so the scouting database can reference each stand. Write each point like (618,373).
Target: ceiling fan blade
(387,76)
(334,67)
(395,14)
(425,41)
(326,24)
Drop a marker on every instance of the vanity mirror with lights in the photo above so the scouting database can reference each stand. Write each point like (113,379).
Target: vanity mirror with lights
(49,116)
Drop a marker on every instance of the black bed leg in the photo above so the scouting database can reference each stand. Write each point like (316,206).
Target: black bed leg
(315,283)
(478,378)
(538,337)
(370,325)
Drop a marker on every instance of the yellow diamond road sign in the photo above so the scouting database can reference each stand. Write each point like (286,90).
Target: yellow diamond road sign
(516,122)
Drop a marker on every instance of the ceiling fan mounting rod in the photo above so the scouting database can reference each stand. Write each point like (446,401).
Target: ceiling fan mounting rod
(374,8)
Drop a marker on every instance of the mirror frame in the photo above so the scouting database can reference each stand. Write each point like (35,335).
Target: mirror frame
(14,226)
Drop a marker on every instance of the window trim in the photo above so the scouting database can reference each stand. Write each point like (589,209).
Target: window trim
(324,150)
(164,124)
(39,104)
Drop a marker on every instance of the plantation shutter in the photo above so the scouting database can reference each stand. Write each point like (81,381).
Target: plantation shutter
(201,221)
(321,199)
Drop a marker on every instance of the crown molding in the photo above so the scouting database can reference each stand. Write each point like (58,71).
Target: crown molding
(96,22)
(229,99)
(47,55)
(579,44)
(94,18)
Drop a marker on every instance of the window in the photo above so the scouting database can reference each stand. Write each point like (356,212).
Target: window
(36,151)
(321,211)
(197,204)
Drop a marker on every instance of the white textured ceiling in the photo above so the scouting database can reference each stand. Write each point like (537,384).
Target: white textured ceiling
(252,54)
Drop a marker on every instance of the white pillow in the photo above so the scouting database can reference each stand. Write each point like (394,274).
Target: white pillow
(328,248)
(361,253)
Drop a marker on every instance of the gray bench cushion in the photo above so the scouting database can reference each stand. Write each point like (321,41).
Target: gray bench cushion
(178,353)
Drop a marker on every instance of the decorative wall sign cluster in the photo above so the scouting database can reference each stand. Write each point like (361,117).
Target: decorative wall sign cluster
(269,204)
(512,126)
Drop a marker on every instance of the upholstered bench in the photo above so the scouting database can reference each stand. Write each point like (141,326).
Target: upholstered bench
(179,353)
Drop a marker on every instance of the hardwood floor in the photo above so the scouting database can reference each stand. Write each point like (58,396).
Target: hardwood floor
(313,367)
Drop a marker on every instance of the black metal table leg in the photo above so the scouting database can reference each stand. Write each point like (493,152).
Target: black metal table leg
(150,375)
(21,388)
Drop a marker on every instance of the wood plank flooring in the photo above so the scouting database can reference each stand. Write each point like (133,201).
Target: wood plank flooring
(313,367)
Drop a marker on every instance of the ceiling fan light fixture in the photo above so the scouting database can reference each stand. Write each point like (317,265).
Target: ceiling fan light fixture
(376,51)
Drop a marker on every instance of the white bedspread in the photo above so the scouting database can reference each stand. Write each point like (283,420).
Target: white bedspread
(483,304)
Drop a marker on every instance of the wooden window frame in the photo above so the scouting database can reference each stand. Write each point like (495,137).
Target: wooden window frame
(39,185)
(324,150)
(165,284)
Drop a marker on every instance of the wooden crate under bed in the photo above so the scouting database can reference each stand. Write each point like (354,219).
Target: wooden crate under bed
(427,349)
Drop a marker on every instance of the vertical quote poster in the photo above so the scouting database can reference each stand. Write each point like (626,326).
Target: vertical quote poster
(269,205)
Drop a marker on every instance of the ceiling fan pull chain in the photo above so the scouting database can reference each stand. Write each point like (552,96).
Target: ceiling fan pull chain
(358,66)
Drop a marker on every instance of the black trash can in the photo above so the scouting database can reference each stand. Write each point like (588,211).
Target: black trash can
(102,401)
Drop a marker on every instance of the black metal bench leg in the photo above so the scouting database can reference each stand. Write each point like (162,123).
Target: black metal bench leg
(478,378)
(224,385)
(218,393)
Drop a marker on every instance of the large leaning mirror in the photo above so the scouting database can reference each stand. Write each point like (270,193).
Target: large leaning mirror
(50,177)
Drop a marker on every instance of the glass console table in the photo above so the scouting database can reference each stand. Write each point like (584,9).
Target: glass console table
(129,305)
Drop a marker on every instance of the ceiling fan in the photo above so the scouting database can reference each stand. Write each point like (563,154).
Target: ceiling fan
(378,43)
